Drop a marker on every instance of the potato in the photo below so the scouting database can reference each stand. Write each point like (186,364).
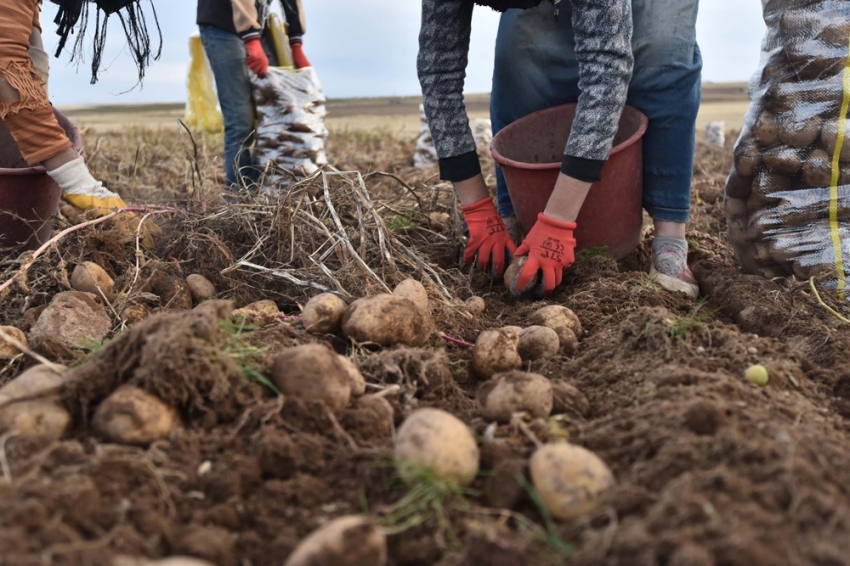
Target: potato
(766,129)
(38,381)
(89,277)
(835,30)
(173,292)
(735,208)
(201,287)
(814,59)
(538,343)
(133,416)
(747,158)
(799,131)
(569,479)
(439,443)
(323,314)
(475,305)
(312,372)
(784,160)
(259,313)
(358,384)
(42,418)
(513,270)
(495,351)
(817,170)
(513,392)
(372,417)
(352,540)
(135,313)
(568,399)
(563,321)
(414,291)
(829,138)
(737,186)
(387,320)
(7,350)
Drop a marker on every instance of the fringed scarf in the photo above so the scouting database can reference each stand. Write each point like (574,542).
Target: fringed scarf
(73,17)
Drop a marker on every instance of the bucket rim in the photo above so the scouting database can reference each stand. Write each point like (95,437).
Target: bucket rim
(631,140)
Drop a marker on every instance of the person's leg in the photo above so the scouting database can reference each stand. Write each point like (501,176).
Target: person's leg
(535,68)
(226,54)
(666,87)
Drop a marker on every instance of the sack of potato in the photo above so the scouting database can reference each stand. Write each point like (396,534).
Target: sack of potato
(788,196)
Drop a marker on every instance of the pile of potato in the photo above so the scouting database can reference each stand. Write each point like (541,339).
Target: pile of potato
(777,195)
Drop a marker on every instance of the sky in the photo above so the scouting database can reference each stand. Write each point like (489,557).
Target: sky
(363,48)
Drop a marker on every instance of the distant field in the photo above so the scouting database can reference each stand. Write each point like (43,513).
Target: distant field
(400,115)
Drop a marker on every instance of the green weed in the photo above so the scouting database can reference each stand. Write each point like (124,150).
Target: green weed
(244,354)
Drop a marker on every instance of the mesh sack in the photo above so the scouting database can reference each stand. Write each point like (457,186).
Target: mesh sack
(788,196)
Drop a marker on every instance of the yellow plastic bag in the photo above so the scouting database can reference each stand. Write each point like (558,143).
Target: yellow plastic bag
(202,111)
(280,41)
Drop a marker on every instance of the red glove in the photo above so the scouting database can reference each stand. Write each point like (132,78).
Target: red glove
(257,59)
(488,237)
(298,58)
(550,247)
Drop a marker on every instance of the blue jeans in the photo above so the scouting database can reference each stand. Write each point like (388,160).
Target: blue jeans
(536,68)
(226,53)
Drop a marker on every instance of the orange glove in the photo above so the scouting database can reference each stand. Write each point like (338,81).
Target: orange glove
(298,58)
(550,247)
(488,237)
(257,59)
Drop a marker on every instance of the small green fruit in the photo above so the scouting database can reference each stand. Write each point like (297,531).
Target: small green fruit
(756,375)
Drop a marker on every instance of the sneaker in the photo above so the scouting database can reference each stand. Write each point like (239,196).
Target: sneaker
(670,269)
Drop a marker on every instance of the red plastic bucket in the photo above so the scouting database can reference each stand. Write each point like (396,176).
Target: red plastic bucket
(530,150)
(28,196)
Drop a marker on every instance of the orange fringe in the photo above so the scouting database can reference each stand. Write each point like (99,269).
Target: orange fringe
(24,79)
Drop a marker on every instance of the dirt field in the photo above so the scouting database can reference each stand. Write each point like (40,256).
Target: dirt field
(400,116)
(709,469)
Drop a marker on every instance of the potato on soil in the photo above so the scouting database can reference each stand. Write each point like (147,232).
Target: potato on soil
(414,291)
(312,372)
(135,313)
(38,381)
(370,417)
(323,314)
(173,292)
(538,343)
(568,399)
(496,351)
(132,416)
(7,350)
(569,479)
(43,418)
(563,321)
(514,392)
(89,277)
(513,270)
(475,305)
(358,383)
(437,442)
(387,320)
(353,540)
(201,287)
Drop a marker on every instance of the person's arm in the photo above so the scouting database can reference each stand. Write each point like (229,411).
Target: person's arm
(441,65)
(296,26)
(246,22)
(603,35)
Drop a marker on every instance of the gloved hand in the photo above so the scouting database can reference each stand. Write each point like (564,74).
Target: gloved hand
(81,190)
(550,247)
(298,58)
(488,237)
(257,59)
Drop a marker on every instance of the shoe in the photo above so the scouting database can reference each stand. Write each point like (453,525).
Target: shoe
(670,270)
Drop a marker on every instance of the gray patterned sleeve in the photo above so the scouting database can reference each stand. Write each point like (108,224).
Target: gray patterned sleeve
(603,36)
(441,65)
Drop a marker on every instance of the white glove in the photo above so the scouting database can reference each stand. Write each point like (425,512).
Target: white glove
(82,190)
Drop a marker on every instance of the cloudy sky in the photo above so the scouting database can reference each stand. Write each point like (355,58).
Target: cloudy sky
(366,48)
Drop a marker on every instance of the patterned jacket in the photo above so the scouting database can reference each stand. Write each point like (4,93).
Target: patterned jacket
(248,17)
(603,35)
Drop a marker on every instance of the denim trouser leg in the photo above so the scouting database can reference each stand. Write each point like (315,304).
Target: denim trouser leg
(536,68)
(226,53)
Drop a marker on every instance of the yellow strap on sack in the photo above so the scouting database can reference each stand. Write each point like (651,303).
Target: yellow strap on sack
(202,104)
(280,41)
(834,184)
